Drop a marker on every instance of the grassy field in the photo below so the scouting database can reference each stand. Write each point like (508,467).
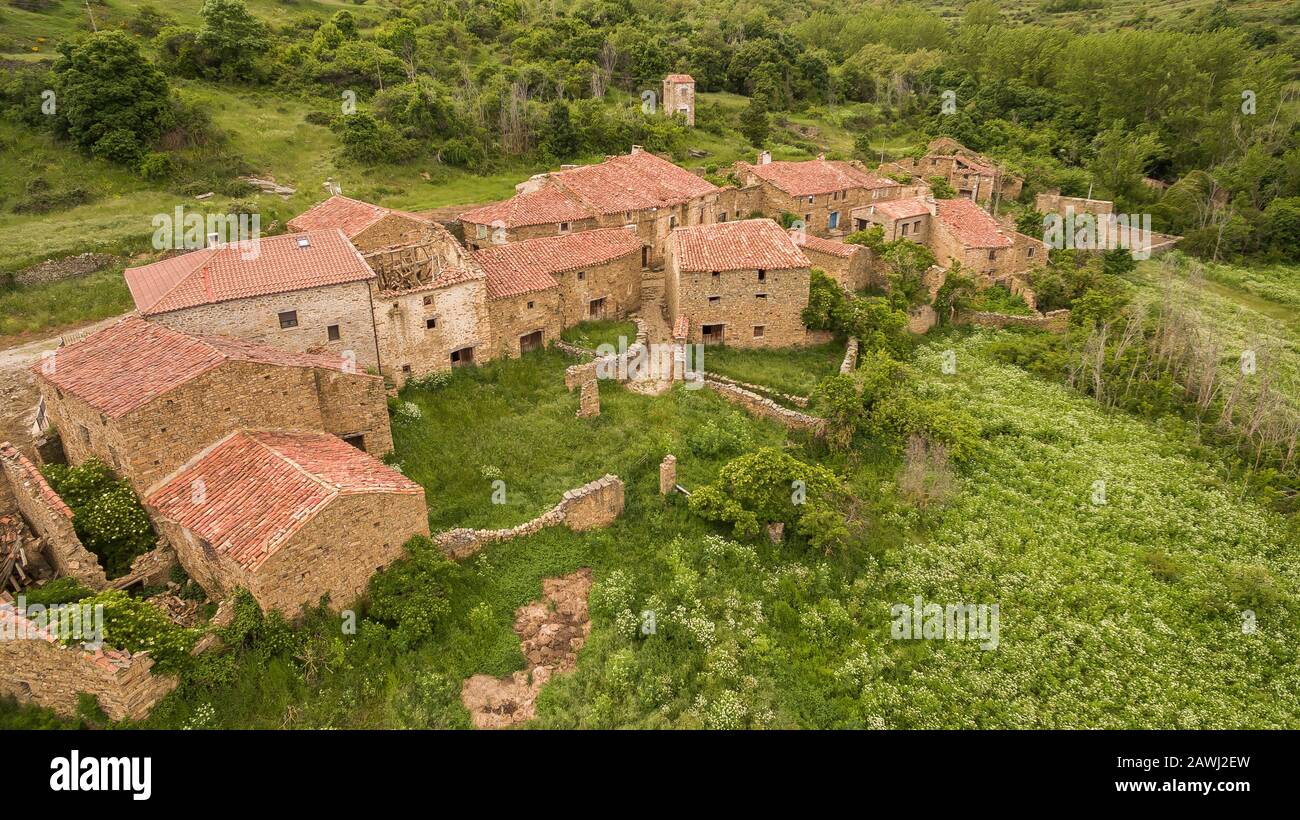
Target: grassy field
(29,309)
(592,334)
(795,372)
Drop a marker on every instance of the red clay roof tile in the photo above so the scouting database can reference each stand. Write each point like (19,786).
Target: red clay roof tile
(631,182)
(276,264)
(544,206)
(259,487)
(134,361)
(970,224)
(352,216)
(749,243)
(523,267)
(818,176)
(828,246)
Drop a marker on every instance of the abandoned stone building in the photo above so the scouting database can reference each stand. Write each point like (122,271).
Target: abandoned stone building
(854,267)
(369,227)
(538,287)
(305,292)
(972,175)
(639,191)
(144,397)
(678,98)
(820,192)
(900,218)
(1051,202)
(741,283)
(289,516)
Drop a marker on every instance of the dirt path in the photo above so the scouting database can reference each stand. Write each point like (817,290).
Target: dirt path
(551,631)
(18,393)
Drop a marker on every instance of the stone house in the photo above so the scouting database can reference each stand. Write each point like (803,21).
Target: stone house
(962,231)
(303,292)
(1051,202)
(289,516)
(369,227)
(679,97)
(144,397)
(538,287)
(972,175)
(639,191)
(852,266)
(742,283)
(900,218)
(821,192)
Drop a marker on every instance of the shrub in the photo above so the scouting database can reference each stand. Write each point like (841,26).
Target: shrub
(157,166)
(138,626)
(411,595)
(106,513)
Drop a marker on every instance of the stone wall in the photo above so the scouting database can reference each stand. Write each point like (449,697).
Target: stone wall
(921,318)
(355,404)
(850,362)
(1056,321)
(50,519)
(37,668)
(393,229)
(69,267)
(617,282)
(853,273)
(798,401)
(257,319)
(668,475)
(409,348)
(1054,203)
(761,407)
(588,507)
(514,317)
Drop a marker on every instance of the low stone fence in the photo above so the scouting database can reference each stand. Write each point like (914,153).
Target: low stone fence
(49,518)
(762,407)
(36,667)
(69,267)
(575,350)
(850,362)
(1056,321)
(588,507)
(797,401)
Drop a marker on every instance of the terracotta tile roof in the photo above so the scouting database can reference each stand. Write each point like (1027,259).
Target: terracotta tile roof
(259,488)
(680,78)
(902,208)
(352,216)
(134,361)
(525,267)
(632,182)
(749,243)
(828,246)
(970,224)
(543,206)
(223,273)
(818,176)
(31,474)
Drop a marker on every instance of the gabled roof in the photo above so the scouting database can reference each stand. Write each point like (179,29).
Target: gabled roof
(352,216)
(807,241)
(274,264)
(749,243)
(523,267)
(133,362)
(260,487)
(818,176)
(632,182)
(543,206)
(902,208)
(970,224)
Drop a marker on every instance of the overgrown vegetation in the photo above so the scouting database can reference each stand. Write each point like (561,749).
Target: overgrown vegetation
(106,514)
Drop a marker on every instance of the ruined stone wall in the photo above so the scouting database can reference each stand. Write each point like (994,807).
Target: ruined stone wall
(257,319)
(39,669)
(481,236)
(516,316)
(409,348)
(337,551)
(850,361)
(1056,321)
(853,273)
(744,304)
(761,407)
(1054,203)
(588,507)
(355,404)
(921,318)
(218,575)
(394,229)
(49,518)
(1024,254)
(617,282)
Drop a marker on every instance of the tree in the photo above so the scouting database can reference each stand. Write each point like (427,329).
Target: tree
(561,140)
(112,100)
(755,122)
(908,262)
(231,39)
(941,189)
(956,293)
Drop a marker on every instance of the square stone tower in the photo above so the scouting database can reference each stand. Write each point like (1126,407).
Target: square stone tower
(679,96)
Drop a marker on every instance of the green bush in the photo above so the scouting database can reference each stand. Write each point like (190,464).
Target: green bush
(411,595)
(106,513)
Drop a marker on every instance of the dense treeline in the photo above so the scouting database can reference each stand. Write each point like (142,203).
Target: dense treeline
(1206,104)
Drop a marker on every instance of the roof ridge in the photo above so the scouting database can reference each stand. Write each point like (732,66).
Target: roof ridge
(183,279)
(333,491)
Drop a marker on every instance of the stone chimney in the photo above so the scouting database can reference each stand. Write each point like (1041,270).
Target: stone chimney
(821,157)
(636,149)
(764,157)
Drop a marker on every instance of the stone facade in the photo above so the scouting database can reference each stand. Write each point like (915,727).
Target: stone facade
(346,308)
(517,320)
(751,313)
(608,291)
(854,267)
(824,213)
(152,440)
(37,668)
(589,399)
(49,518)
(419,329)
(591,506)
(1051,202)
(678,97)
